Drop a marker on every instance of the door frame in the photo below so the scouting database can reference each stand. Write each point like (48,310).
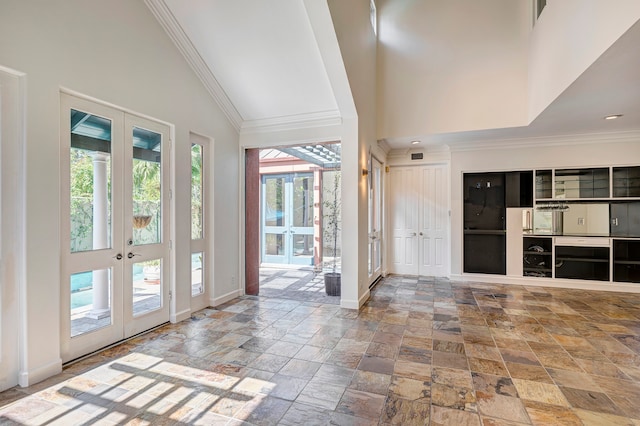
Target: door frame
(123,325)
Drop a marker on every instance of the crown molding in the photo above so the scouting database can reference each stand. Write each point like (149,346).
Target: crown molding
(384,146)
(292,122)
(175,32)
(548,141)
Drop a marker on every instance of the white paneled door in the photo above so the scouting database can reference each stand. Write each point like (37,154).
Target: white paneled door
(419,220)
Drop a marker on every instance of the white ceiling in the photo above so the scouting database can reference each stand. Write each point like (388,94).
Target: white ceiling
(611,85)
(262,53)
(265,57)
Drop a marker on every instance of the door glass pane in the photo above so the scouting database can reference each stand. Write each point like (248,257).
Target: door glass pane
(303,245)
(90,172)
(196,191)
(197,278)
(274,201)
(274,244)
(147,286)
(90,307)
(303,201)
(147,178)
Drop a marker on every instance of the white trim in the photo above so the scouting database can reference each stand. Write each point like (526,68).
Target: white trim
(293,122)
(29,377)
(175,32)
(215,301)
(546,141)
(180,316)
(356,304)
(548,282)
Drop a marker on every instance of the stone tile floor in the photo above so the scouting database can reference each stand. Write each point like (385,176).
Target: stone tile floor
(420,352)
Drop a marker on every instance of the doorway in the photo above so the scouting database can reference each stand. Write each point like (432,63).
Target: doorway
(287,245)
(419,220)
(287,218)
(115,225)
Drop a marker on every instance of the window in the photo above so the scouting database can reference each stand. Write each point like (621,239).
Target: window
(373,16)
(198,215)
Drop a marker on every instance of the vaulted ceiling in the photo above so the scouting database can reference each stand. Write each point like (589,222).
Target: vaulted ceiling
(262,62)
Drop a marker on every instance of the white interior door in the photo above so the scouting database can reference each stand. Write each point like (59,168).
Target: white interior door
(404,220)
(115,225)
(434,221)
(419,220)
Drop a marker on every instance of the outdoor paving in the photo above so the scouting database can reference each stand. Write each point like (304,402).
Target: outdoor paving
(298,284)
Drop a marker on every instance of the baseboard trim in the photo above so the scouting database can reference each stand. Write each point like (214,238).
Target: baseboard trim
(31,377)
(548,282)
(180,316)
(355,304)
(215,301)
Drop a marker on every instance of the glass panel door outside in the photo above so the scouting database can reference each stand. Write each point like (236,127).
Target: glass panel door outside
(275,220)
(287,218)
(301,229)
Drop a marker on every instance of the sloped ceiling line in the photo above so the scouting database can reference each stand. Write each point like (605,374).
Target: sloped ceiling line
(193,58)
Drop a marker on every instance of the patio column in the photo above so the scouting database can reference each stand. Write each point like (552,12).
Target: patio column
(101,307)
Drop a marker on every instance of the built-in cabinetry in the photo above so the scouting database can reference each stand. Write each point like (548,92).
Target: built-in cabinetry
(486,197)
(582,258)
(599,237)
(537,257)
(626,260)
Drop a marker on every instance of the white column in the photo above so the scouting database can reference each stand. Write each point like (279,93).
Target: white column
(100,234)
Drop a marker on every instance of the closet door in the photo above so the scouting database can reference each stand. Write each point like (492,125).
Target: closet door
(419,220)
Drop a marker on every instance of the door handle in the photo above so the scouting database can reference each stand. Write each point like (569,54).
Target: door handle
(413,234)
(118,256)
(421,234)
(130,255)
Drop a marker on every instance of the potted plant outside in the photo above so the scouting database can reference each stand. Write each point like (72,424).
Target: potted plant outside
(331,213)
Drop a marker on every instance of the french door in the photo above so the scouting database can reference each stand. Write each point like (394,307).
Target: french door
(115,225)
(419,220)
(375,219)
(287,218)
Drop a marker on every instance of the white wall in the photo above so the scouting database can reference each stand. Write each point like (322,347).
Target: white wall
(580,151)
(451,66)
(567,38)
(114,51)
(358,47)
(11,223)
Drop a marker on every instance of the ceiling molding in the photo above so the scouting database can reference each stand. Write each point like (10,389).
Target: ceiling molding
(547,141)
(384,146)
(292,122)
(169,23)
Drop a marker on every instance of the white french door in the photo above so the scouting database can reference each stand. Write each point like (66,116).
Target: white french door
(115,225)
(419,220)
(287,218)
(375,220)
